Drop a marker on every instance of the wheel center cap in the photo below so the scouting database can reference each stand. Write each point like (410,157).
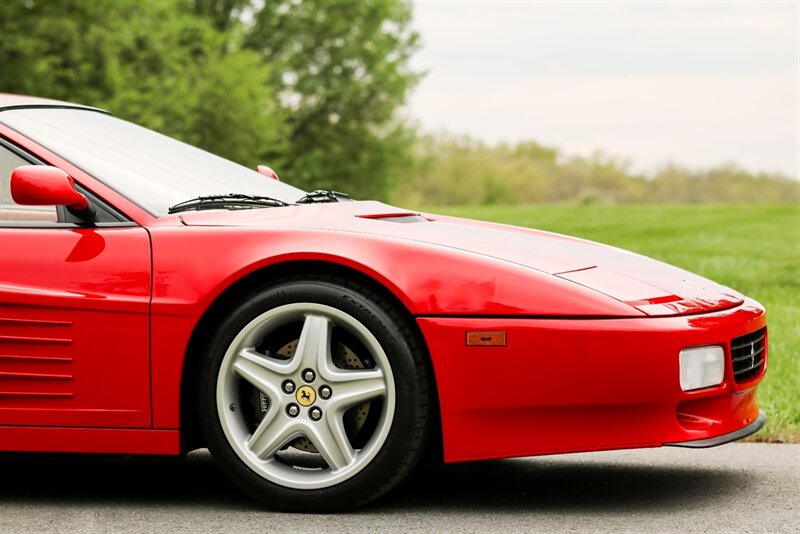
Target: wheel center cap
(306,396)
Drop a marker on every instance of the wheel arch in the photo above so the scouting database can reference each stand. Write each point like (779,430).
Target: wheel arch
(189,424)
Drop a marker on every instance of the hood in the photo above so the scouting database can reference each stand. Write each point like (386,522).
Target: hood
(650,286)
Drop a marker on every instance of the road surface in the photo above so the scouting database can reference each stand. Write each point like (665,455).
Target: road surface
(733,488)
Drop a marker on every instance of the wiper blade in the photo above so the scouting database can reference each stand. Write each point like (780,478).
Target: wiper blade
(229,201)
(323,195)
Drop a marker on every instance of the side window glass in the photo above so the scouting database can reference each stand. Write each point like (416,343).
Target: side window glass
(10,211)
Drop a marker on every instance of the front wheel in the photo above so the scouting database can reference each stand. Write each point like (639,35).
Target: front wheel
(314,395)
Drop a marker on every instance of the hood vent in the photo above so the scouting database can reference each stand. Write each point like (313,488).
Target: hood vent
(402,218)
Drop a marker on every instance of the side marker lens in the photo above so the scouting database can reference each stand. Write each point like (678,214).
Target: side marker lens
(486,339)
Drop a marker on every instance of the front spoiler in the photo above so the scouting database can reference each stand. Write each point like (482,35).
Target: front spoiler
(752,428)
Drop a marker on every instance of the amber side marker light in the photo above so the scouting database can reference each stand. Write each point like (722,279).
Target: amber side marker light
(486,339)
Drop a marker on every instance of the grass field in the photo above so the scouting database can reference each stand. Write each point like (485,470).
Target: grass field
(753,249)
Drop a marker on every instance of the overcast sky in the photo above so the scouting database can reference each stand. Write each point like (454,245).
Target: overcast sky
(695,83)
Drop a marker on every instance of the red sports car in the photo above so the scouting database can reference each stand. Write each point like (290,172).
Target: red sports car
(155,299)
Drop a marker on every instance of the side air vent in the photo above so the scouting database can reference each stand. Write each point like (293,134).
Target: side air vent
(35,361)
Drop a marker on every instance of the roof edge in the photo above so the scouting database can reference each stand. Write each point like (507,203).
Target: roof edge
(10,101)
(54,106)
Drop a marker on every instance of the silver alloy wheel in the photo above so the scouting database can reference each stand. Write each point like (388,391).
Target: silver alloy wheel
(259,448)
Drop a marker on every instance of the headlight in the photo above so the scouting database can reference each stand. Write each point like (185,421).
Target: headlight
(702,367)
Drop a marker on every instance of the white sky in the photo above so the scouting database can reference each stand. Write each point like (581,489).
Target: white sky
(695,83)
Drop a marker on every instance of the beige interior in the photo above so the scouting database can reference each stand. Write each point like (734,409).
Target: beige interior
(10,210)
(27,215)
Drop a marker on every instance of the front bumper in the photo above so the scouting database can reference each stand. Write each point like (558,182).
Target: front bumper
(570,385)
(750,429)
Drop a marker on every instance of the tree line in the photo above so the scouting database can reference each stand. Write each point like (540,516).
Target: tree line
(313,89)
(454,170)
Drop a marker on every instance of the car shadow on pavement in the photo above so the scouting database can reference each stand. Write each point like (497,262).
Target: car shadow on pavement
(547,485)
(66,479)
(501,485)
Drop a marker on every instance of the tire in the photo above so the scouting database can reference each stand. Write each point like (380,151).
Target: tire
(314,395)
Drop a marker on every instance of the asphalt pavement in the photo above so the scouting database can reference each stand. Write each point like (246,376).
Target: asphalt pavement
(734,488)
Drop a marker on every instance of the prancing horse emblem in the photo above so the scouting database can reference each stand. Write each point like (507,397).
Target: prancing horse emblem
(752,354)
(306,396)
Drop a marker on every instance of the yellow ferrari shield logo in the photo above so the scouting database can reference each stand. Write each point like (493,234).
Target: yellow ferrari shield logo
(306,396)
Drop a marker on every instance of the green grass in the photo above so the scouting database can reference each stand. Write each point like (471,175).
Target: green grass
(754,249)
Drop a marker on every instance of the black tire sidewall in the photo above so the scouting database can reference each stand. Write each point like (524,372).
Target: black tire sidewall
(402,447)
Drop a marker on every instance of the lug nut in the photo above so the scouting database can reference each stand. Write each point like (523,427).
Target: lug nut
(315,413)
(325,392)
(288,386)
(293,410)
(308,375)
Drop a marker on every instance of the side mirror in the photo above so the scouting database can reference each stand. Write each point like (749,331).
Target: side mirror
(42,185)
(266,171)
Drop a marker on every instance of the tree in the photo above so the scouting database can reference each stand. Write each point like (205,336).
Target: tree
(151,62)
(311,88)
(341,72)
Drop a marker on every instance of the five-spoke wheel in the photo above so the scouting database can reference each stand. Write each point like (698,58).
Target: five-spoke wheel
(314,395)
(307,395)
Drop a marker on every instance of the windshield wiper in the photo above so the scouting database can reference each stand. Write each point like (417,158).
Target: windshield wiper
(229,201)
(323,195)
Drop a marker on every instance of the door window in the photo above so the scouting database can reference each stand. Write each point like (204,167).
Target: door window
(10,210)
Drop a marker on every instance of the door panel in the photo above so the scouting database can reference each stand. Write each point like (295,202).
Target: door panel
(74,327)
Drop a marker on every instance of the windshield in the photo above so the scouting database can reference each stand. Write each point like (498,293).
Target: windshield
(152,170)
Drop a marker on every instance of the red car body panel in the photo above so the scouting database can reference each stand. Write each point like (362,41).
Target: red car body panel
(74,309)
(605,395)
(95,325)
(625,276)
(90,440)
(184,290)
